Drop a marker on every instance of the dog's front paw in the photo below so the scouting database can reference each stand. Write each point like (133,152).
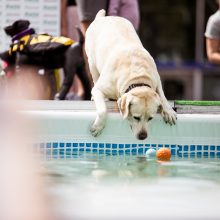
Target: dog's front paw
(96,129)
(169,116)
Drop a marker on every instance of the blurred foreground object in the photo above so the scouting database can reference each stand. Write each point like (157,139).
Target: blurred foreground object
(22,190)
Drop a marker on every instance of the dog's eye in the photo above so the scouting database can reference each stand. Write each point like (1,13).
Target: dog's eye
(137,118)
(150,118)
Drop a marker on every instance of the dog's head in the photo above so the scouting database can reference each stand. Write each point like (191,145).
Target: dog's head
(139,106)
(17,27)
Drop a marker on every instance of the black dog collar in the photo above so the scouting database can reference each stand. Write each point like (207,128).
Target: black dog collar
(136,85)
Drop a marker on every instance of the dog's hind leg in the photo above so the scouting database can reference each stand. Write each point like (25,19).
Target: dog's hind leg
(93,70)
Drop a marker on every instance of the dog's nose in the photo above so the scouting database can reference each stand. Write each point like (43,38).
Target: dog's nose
(142,135)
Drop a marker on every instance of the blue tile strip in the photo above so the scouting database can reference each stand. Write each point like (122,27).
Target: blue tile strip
(67,149)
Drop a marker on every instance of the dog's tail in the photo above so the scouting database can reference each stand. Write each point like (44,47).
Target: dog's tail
(81,36)
(100,14)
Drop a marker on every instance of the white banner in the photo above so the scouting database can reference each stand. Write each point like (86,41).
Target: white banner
(44,16)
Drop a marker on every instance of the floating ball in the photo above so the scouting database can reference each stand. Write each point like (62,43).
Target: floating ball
(151,153)
(163,154)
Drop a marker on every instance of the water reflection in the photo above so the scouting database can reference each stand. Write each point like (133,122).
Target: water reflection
(136,168)
(91,186)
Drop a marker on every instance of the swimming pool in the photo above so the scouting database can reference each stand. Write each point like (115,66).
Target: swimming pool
(93,186)
(110,178)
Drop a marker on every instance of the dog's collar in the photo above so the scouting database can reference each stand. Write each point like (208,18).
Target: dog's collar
(23,33)
(136,85)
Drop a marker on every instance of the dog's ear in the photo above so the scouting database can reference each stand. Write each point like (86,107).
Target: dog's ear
(124,105)
(159,104)
(9,30)
(17,27)
(160,109)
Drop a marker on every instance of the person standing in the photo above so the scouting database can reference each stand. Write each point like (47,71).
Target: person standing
(69,21)
(212,35)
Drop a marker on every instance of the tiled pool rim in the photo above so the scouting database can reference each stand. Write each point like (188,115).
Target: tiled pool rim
(63,130)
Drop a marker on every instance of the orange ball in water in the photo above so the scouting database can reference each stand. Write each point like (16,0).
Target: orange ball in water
(163,154)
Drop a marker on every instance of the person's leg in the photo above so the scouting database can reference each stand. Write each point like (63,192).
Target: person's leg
(84,26)
(73,21)
(87,11)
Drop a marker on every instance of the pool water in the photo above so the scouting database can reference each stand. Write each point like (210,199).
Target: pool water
(93,186)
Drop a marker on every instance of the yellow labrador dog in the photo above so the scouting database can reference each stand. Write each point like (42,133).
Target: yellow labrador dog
(124,71)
